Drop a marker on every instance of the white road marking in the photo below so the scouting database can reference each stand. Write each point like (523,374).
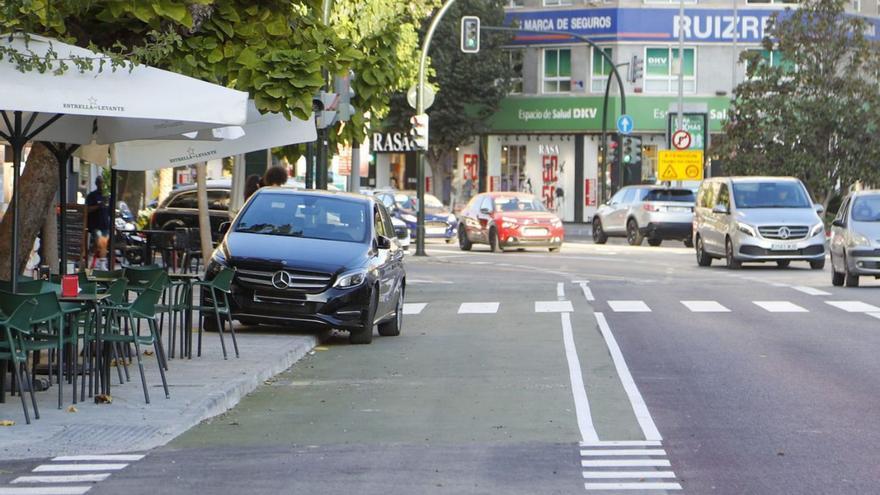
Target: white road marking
(626,463)
(578,390)
(875,315)
(63,478)
(478,308)
(778,284)
(60,468)
(632,486)
(649,429)
(560,290)
(104,457)
(622,443)
(705,307)
(553,307)
(780,307)
(413,308)
(621,452)
(588,294)
(854,306)
(810,290)
(44,490)
(628,474)
(422,281)
(629,306)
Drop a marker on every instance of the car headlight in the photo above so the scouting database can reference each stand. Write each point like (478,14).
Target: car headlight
(217,263)
(857,240)
(451,218)
(556,222)
(817,229)
(350,279)
(509,223)
(746,229)
(406,217)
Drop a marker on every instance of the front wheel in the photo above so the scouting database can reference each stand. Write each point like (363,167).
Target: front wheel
(730,258)
(633,236)
(391,328)
(365,334)
(837,278)
(494,243)
(463,242)
(654,242)
(688,243)
(785,263)
(555,249)
(599,236)
(450,240)
(818,264)
(703,259)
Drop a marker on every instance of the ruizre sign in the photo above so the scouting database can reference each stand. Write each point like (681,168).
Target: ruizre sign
(393,142)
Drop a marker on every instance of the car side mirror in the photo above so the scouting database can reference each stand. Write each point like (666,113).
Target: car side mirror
(224,227)
(838,223)
(485,211)
(720,209)
(383,242)
(819,208)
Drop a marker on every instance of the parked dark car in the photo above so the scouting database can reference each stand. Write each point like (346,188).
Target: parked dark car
(440,223)
(315,259)
(181,208)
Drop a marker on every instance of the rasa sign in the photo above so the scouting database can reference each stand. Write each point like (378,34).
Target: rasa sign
(653,25)
(393,142)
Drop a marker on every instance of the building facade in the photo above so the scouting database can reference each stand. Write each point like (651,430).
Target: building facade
(547,136)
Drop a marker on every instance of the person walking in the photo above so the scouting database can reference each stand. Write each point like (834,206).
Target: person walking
(251,184)
(98,208)
(275,176)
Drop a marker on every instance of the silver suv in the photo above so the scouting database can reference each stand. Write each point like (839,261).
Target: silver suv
(654,212)
(757,219)
(855,239)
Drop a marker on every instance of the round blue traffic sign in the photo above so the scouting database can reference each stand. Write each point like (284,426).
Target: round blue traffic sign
(624,124)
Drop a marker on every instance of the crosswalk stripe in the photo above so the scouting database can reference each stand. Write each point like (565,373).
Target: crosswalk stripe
(810,290)
(780,307)
(629,307)
(63,478)
(705,307)
(99,457)
(627,474)
(413,308)
(632,486)
(622,452)
(622,443)
(44,490)
(626,463)
(478,308)
(854,306)
(60,468)
(553,307)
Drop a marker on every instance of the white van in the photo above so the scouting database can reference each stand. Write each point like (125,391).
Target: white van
(757,219)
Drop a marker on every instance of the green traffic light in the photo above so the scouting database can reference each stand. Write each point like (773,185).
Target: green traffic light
(626,158)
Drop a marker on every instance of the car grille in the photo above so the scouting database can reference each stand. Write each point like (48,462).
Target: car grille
(436,225)
(794,232)
(759,251)
(300,281)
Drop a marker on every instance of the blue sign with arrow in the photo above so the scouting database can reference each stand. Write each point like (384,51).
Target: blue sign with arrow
(624,124)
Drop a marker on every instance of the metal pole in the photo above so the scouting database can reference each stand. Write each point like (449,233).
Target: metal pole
(735,50)
(17,143)
(681,64)
(321,167)
(420,109)
(111,258)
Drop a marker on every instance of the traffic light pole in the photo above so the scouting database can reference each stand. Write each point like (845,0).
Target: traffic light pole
(604,168)
(420,109)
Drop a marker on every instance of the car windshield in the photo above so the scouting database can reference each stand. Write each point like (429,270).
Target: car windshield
(313,217)
(866,209)
(777,194)
(410,201)
(517,203)
(676,195)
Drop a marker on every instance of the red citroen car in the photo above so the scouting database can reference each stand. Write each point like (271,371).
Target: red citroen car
(508,220)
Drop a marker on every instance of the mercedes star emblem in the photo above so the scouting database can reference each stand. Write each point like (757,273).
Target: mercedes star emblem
(784,233)
(281,280)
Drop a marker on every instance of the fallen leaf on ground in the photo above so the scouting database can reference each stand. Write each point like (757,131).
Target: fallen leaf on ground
(148,352)
(72,409)
(7,422)
(103,399)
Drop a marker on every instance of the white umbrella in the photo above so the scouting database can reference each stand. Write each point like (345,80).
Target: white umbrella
(104,106)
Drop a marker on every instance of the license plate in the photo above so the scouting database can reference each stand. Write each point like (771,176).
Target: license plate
(782,246)
(536,232)
(435,230)
(679,209)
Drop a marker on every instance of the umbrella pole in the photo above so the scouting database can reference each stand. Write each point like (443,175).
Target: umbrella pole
(17,142)
(111,256)
(62,154)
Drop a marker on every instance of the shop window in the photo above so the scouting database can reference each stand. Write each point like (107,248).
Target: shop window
(662,67)
(515,61)
(557,70)
(513,168)
(601,68)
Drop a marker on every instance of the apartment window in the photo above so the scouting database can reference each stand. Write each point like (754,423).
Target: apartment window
(674,2)
(515,4)
(556,3)
(662,66)
(557,70)
(857,5)
(515,61)
(775,59)
(767,2)
(601,68)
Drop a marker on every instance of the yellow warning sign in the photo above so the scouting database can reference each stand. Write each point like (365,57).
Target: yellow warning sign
(680,165)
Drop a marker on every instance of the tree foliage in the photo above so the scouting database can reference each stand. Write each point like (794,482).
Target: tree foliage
(814,114)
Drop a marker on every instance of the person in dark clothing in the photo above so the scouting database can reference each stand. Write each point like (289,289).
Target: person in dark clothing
(275,176)
(98,207)
(251,184)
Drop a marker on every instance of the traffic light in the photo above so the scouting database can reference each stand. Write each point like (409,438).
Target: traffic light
(470,34)
(419,131)
(613,151)
(636,69)
(636,150)
(627,150)
(342,86)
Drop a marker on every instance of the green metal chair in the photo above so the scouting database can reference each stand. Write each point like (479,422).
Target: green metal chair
(15,325)
(220,287)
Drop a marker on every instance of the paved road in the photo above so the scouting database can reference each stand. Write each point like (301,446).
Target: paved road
(598,369)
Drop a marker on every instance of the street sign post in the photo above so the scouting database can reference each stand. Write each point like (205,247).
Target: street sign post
(412,97)
(675,165)
(625,124)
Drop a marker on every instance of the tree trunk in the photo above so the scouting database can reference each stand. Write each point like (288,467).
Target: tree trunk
(204,219)
(49,238)
(37,186)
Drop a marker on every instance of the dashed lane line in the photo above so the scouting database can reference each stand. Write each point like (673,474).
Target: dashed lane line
(478,308)
(60,468)
(705,307)
(629,306)
(628,475)
(622,443)
(578,389)
(99,457)
(413,308)
(622,452)
(62,478)
(626,463)
(632,486)
(560,290)
(780,307)
(44,490)
(854,306)
(812,291)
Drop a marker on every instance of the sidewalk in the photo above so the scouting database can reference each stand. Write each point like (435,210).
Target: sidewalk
(200,388)
(578,231)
